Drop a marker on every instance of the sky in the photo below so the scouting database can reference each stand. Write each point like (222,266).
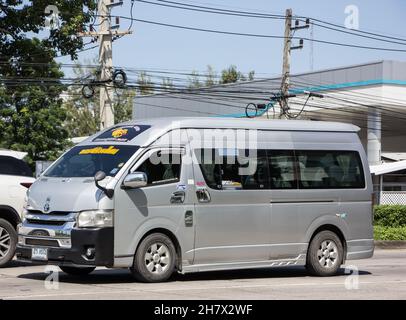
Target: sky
(162,48)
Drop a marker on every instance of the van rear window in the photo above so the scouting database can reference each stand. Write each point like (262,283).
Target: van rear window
(122,133)
(330,169)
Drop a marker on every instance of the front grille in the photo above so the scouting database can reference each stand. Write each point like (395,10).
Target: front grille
(52,213)
(46,222)
(39,233)
(42,242)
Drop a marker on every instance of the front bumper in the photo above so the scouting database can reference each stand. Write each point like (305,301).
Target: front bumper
(101,239)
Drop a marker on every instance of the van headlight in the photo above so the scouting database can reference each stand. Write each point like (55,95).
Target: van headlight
(95,219)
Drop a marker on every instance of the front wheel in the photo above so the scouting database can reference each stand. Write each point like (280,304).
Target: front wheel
(325,254)
(155,259)
(77,271)
(8,242)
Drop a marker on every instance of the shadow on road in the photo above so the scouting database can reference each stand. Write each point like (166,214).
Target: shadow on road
(106,276)
(16,263)
(281,272)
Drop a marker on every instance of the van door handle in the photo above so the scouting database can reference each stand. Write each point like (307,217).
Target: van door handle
(203,195)
(178,197)
(189,218)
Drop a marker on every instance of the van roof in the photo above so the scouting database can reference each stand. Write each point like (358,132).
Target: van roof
(245,123)
(158,126)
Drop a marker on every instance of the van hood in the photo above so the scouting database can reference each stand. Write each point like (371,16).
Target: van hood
(64,194)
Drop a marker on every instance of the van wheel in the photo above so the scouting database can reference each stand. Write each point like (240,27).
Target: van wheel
(325,254)
(8,242)
(77,271)
(155,259)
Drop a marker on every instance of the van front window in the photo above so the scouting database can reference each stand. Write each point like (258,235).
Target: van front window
(85,161)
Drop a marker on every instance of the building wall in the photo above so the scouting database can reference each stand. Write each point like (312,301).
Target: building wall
(351,94)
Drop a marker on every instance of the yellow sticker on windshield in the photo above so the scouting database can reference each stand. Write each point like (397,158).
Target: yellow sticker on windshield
(100,150)
(118,133)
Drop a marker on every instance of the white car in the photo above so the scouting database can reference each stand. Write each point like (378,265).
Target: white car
(15,179)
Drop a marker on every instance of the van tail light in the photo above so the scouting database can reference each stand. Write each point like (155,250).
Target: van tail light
(26,184)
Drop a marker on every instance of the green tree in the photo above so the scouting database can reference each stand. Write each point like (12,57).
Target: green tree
(232,75)
(167,84)
(83,114)
(31,112)
(251,75)
(123,104)
(144,83)
(211,76)
(194,80)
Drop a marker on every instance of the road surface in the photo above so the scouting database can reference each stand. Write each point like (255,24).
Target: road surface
(381,277)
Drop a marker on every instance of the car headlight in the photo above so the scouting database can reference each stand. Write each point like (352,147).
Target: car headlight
(24,212)
(95,218)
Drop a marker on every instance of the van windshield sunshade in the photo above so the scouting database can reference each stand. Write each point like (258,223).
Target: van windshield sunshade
(121,133)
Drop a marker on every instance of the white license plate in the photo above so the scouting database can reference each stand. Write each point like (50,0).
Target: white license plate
(39,254)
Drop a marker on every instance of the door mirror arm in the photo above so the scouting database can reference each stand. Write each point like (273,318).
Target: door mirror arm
(99,176)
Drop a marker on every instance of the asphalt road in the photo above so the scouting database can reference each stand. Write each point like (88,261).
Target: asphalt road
(381,277)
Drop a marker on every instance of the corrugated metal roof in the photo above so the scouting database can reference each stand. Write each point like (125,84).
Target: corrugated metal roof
(388,167)
(231,99)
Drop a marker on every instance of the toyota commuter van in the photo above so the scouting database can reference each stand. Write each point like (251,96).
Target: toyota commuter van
(198,194)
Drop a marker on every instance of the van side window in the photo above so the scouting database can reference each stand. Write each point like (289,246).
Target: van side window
(234,169)
(257,175)
(282,169)
(330,169)
(161,172)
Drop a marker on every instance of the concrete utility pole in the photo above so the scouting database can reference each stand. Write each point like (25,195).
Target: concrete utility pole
(287,48)
(106,65)
(286,61)
(105,36)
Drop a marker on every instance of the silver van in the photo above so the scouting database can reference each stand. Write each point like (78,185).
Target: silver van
(199,194)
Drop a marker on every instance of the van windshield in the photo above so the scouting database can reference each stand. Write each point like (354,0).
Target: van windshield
(85,161)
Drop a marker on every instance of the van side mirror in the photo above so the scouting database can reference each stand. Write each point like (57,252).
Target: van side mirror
(99,176)
(135,180)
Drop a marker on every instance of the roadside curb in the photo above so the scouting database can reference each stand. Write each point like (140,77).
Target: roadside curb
(390,244)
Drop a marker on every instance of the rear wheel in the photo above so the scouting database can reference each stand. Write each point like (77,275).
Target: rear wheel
(155,259)
(77,271)
(325,254)
(8,242)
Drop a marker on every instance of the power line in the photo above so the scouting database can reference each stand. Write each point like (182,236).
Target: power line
(259,35)
(357,30)
(358,95)
(177,5)
(265,15)
(188,7)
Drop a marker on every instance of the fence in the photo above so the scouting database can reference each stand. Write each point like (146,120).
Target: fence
(393,197)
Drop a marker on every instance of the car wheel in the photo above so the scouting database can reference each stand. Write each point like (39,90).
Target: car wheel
(155,259)
(325,254)
(77,271)
(8,242)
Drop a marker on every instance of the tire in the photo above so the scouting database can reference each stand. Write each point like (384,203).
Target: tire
(325,254)
(76,271)
(155,259)
(8,242)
